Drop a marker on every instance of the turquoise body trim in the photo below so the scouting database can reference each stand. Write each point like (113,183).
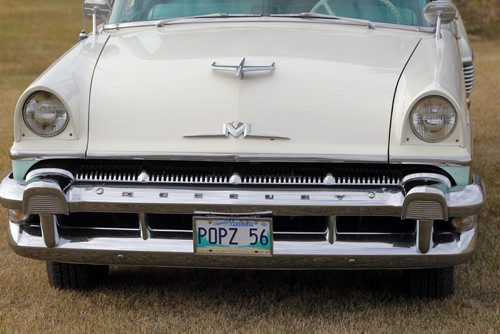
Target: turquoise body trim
(461,174)
(20,168)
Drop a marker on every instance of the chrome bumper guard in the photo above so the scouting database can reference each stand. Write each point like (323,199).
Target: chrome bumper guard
(49,198)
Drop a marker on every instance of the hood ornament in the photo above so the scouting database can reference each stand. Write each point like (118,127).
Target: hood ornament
(236,129)
(241,69)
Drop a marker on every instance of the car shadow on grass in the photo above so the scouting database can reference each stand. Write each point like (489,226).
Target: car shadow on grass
(245,287)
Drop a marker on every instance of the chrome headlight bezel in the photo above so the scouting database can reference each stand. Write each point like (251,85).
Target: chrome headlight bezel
(53,116)
(446,113)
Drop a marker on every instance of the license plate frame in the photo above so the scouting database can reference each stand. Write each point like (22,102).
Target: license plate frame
(242,225)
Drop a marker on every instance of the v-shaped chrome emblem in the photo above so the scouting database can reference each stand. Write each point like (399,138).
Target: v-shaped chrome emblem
(241,69)
(236,129)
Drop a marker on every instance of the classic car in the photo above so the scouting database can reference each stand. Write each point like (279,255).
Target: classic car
(252,134)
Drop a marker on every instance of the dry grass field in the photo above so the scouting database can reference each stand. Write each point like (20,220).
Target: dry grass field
(35,33)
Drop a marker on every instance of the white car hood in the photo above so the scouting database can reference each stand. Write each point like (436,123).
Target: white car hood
(331,91)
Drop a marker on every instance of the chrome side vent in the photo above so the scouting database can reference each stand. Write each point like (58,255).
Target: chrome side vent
(469,78)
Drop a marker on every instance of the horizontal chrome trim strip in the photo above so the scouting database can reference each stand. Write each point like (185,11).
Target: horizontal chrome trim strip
(169,231)
(235,157)
(239,214)
(373,233)
(232,157)
(280,202)
(191,231)
(286,254)
(127,229)
(299,233)
(40,155)
(464,160)
(114,229)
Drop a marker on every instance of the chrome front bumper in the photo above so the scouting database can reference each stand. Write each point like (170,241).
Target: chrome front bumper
(423,203)
(286,255)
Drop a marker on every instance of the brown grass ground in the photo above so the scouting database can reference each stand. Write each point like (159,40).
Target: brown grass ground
(32,35)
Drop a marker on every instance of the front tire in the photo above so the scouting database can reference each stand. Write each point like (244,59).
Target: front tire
(70,276)
(435,283)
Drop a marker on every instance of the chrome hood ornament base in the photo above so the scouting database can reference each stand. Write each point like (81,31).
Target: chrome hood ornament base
(236,129)
(241,69)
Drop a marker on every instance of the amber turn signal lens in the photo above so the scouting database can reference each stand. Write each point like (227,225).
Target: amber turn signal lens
(17,216)
(463,223)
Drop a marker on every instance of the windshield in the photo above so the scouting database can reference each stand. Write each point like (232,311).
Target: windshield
(407,12)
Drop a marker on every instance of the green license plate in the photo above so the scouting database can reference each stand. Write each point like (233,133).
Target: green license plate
(232,235)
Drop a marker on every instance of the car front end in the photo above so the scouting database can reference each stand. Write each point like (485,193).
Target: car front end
(331,145)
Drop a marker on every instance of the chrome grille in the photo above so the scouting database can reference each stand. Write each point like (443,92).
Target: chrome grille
(247,176)
(107,176)
(469,78)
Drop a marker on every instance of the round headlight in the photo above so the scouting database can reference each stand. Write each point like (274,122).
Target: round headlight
(45,114)
(433,119)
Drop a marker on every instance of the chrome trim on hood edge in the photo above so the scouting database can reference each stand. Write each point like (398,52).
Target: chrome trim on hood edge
(261,157)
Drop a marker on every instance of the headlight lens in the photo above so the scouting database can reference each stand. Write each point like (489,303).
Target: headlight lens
(45,114)
(433,119)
